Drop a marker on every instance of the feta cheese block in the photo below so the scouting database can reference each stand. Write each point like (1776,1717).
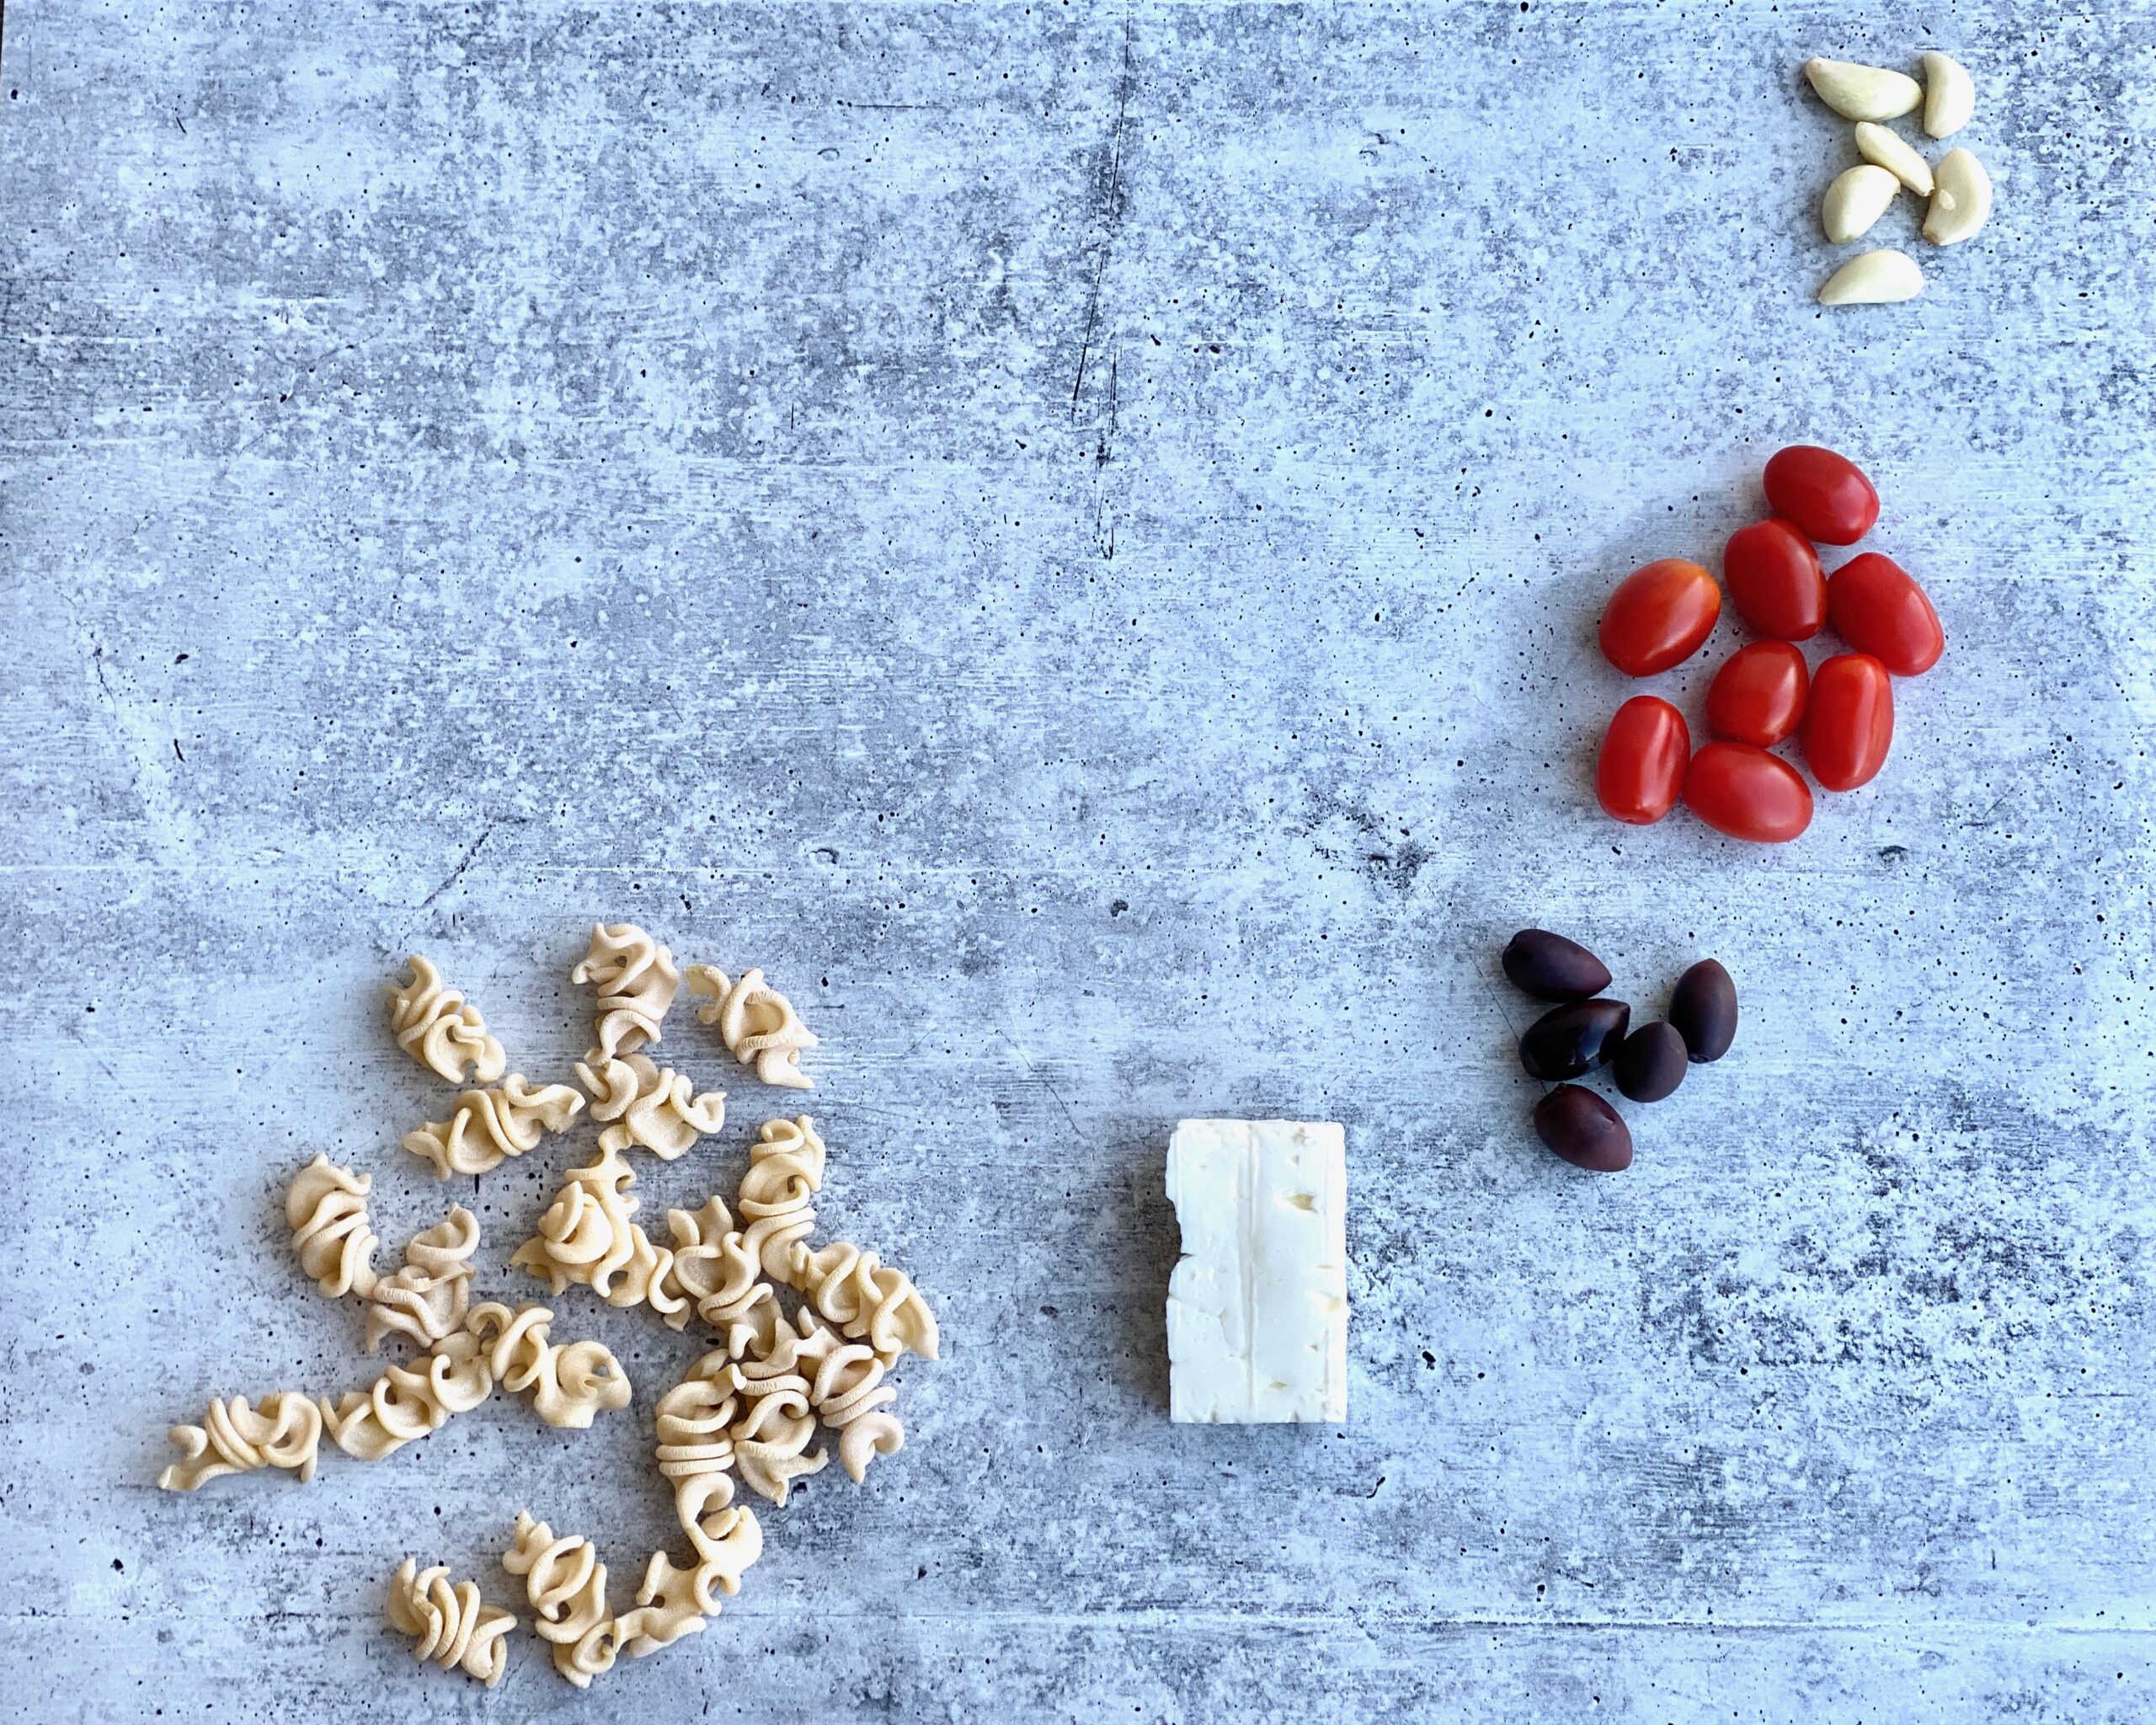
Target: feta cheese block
(1257,1307)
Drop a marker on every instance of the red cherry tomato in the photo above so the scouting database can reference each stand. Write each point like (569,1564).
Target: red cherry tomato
(1775,580)
(1658,616)
(1758,696)
(1823,494)
(1879,610)
(1747,794)
(1640,770)
(1851,722)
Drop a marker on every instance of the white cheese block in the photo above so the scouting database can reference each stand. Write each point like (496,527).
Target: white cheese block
(1258,1308)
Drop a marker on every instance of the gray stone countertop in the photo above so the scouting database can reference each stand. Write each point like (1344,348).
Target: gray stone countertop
(1072,538)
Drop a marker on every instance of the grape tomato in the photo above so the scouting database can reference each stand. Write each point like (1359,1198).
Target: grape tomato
(1659,616)
(1775,580)
(1850,725)
(1879,609)
(1824,495)
(1747,794)
(1758,696)
(1640,770)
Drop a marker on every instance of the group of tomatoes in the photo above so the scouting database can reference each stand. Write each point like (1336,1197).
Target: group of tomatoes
(1842,714)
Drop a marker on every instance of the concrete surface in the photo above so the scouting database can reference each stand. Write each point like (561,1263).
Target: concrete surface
(1072,538)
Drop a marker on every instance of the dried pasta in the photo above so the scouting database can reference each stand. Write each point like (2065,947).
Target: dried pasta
(649,1104)
(587,1236)
(866,1299)
(406,1403)
(785,1171)
(440,1030)
(283,1429)
(566,1585)
(636,979)
(851,1397)
(327,1207)
(450,1623)
(717,1275)
(425,1300)
(571,1382)
(778,1423)
(757,1023)
(487,1126)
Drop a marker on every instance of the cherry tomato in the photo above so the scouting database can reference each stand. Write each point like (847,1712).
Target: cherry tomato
(1640,770)
(1775,580)
(1747,794)
(1658,616)
(1850,722)
(1879,610)
(1758,696)
(1821,494)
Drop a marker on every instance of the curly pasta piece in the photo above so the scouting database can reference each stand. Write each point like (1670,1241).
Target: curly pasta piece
(425,1300)
(716,1273)
(770,1440)
(785,1171)
(865,1299)
(487,1126)
(283,1430)
(571,1382)
(756,1023)
(696,1445)
(671,1598)
(440,1030)
(849,1397)
(327,1207)
(450,1624)
(566,1585)
(636,979)
(405,1403)
(652,1105)
(587,1236)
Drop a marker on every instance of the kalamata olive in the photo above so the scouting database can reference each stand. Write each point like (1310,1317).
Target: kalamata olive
(1649,1063)
(1552,968)
(1703,1010)
(1585,1130)
(1573,1039)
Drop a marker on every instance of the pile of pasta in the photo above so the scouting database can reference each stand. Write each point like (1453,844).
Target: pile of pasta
(751,1408)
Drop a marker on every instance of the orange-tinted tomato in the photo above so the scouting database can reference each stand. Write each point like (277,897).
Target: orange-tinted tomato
(1758,696)
(1658,616)
(1640,770)
(1775,580)
(1880,611)
(1747,794)
(1823,494)
(1851,722)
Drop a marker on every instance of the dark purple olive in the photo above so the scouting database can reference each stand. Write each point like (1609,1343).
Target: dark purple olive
(1573,1039)
(1552,968)
(1703,1010)
(1585,1130)
(1649,1064)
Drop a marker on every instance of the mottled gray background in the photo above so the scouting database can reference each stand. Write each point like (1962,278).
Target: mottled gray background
(1073,538)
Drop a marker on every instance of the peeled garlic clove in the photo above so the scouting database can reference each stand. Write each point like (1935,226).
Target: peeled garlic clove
(1961,200)
(1863,92)
(1875,143)
(1856,199)
(1875,279)
(1948,98)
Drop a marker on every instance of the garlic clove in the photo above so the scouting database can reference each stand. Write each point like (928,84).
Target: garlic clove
(1863,92)
(1875,279)
(1949,97)
(1961,200)
(1875,143)
(1857,199)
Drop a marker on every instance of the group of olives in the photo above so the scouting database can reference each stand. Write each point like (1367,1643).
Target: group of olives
(1584,1032)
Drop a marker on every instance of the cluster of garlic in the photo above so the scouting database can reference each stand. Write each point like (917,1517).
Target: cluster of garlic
(1958,188)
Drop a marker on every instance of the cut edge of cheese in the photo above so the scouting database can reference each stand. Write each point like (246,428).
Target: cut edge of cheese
(1257,1305)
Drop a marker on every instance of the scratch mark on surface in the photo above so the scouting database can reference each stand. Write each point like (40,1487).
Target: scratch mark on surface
(466,861)
(1114,215)
(1041,1078)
